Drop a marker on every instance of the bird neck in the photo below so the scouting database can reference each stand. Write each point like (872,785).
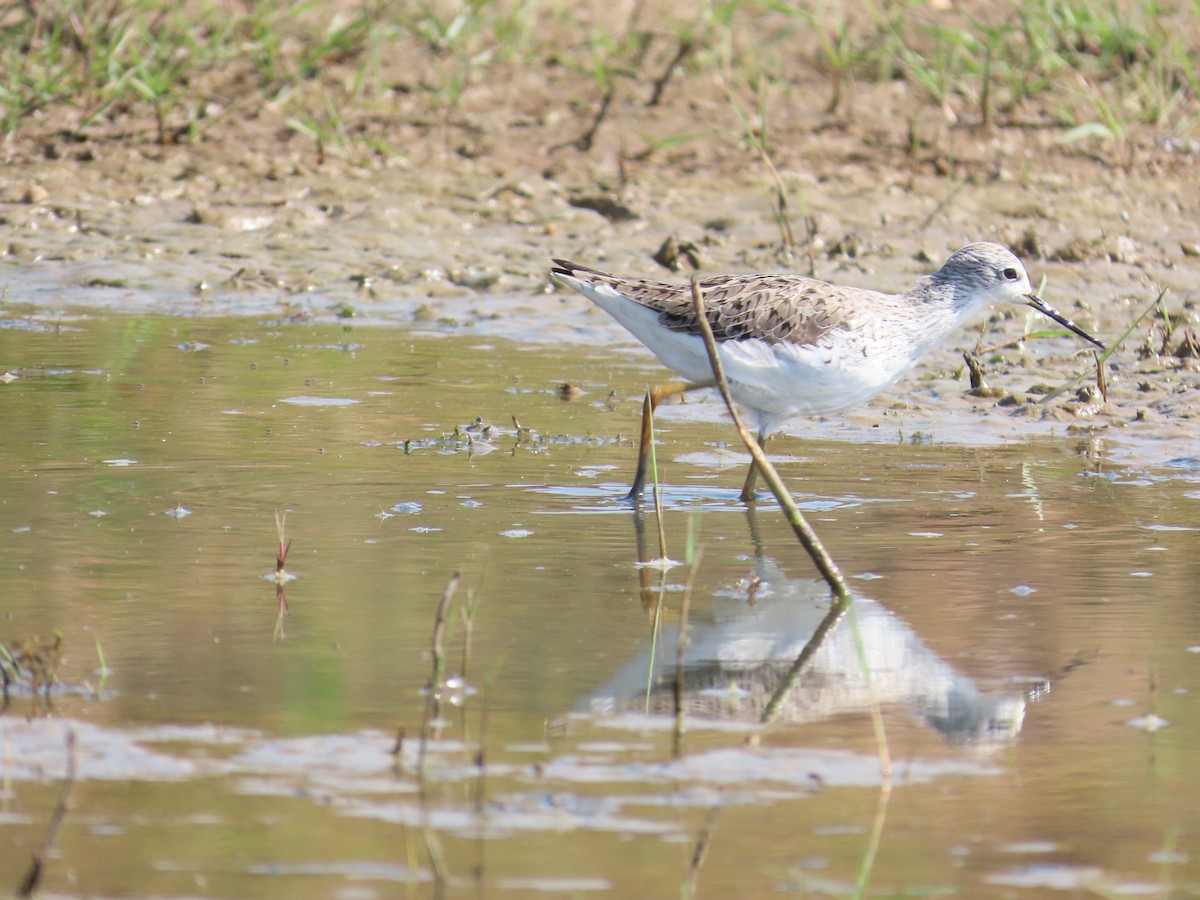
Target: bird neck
(942,306)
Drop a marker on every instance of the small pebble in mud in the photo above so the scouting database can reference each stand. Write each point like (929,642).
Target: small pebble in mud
(1030,244)
(476,279)
(1055,413)
(988,392)
(673,252)
(609,207)
(1079,409)
(24,192)
(1013,400)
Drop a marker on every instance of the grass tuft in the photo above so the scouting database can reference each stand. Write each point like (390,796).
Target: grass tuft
(1104,72)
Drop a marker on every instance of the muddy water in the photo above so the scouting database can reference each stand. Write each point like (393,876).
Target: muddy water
(1027,607)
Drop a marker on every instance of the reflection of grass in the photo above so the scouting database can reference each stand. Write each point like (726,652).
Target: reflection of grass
(181,65)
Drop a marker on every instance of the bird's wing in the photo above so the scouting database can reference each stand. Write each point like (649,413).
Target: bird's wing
(771,308)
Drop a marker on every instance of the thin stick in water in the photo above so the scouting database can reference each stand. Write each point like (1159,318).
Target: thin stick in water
(680,647)
(808,538)
(435,680)
(37,866)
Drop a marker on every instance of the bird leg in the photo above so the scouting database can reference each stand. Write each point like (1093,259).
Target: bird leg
(653,397)
(747,494)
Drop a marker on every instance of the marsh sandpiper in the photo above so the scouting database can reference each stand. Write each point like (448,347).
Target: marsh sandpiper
(797,346)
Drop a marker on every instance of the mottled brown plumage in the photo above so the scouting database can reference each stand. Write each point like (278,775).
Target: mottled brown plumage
(770,308)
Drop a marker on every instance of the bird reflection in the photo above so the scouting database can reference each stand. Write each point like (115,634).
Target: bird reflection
(775,648)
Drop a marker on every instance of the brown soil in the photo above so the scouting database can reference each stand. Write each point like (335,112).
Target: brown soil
(456,224)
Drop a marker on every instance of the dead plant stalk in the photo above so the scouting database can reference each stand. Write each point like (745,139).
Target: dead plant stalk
(808,538)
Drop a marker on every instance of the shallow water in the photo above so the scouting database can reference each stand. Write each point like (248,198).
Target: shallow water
(1027,608)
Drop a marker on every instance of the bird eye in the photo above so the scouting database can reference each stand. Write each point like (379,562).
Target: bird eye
(1010,273)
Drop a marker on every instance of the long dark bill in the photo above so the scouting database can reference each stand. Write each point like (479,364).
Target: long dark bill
(1047,310)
